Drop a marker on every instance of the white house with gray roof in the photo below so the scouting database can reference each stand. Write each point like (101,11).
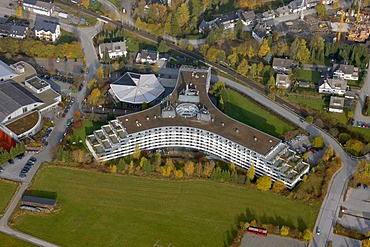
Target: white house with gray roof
(47,28)
(333,86)
(345,71)
(41,7)
(114,49)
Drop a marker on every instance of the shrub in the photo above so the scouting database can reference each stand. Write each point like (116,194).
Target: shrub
(307,235)
(284,231)
(264,183)
(341,230)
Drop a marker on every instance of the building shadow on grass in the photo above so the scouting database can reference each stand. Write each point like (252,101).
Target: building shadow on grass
(250,119)
(41,193)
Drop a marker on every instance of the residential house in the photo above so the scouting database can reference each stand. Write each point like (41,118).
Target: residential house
(13,30)
(282,81)
(204,26)
(47,28)
(345,71)
(268,15)
(327,1)
(228,20)
(312,3)
(283,11)
(41,7)
(297,6)
(18,31)
(247,17)
(261,31)
(336,86)
(336,104)
(282,64)
(147,56)
(114,50)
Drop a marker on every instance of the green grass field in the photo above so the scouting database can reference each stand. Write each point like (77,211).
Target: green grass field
(87,129)
(8,241)
(66,37)
(245,110)
(309,76)
(364,132)
(317,104)
(98,209)
(7,191)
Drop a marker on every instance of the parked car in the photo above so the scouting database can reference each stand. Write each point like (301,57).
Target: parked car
(69,122)
(80,87)
(33,159)
(10,161)
(318,231)
(1,169)
(22,175)
(19,156)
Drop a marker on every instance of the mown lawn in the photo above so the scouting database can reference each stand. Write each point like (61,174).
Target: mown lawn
(309,76)
(88,128)
(7,190)
(99,209)
(9,241)
(364,132)
(66,37)
(247,111)
(317,104)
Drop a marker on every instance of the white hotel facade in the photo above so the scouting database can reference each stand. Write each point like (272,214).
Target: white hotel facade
(188,119)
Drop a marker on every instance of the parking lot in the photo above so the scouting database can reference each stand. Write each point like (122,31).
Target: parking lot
(12,171)
(357,209)
(361,124)
(251,240)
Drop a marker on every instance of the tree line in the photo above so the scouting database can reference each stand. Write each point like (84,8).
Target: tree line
(5,155)
(38,48)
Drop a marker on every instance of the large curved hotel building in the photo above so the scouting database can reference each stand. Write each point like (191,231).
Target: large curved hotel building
(188,119)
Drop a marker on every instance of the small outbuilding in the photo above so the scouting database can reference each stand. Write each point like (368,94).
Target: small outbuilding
(38,202)
(336,104)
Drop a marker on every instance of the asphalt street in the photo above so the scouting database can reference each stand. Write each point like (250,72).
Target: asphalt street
(330,206)
(361,100)
(112,9)
(47,153)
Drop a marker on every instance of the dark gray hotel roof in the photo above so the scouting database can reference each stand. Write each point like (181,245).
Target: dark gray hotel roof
(221,125)
(13,96)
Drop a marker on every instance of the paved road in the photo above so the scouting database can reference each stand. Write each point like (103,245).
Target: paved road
(330,206)
(112,9)
(361,100)
(47,153)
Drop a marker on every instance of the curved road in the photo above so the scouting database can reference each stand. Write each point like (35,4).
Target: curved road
(47,153)
(329,209)
(330,206)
